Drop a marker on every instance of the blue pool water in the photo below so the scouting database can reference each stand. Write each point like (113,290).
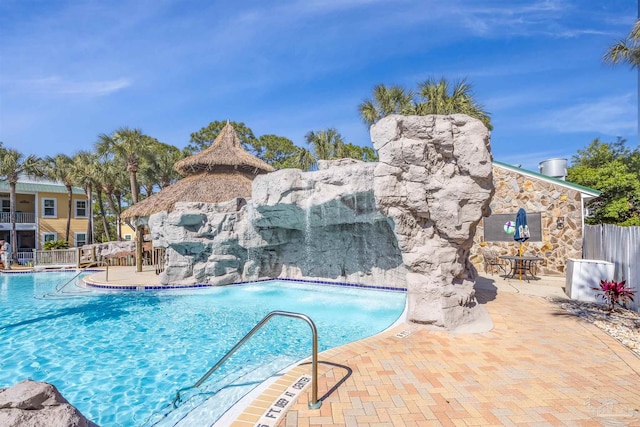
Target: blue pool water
(120,357)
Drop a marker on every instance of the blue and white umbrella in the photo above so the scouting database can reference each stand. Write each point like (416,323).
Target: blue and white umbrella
(522,229)
(522,232)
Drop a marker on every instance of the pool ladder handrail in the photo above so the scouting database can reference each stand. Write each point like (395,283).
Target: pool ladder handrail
(314,403)
(82,270)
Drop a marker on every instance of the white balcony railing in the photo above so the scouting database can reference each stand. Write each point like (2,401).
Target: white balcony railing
(21,217)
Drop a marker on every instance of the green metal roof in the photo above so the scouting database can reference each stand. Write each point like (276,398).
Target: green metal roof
(586,190)
(37,187)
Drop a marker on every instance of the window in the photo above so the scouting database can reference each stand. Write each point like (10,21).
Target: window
(127,237)
(5,208)
(81,239)
(49,208)
(81,208)
(49,237)
(496,230)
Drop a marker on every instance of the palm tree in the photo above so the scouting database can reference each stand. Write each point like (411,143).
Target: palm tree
(434,98)
(158,170)
(128,146)
(60,169)
(327,144)
(385,101)
(437,99)
(12,164)
(110,179)
(100,179)
(303,159)
(627,50)
(84,170)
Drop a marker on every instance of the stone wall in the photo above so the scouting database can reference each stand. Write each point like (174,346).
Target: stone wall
(513,191)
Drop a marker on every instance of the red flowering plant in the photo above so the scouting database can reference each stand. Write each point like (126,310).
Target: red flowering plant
(613,293)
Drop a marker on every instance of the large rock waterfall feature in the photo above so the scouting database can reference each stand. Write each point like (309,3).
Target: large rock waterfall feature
(405,221)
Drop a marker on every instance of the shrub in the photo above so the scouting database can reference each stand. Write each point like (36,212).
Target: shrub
(56,244)
(615,293)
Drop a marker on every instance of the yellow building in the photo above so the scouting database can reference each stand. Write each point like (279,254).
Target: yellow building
(41,215)
(128,233)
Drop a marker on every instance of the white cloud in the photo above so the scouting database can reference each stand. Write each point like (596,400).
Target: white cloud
(525,19)
(59,86)
(616,115)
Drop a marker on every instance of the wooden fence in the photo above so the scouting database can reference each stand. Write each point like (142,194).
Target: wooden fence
(619,245)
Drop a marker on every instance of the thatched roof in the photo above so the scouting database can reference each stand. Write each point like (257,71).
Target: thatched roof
(218,174)
(207,187)
(225,153)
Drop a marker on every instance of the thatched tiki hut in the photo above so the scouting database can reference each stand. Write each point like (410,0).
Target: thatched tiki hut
(222,172)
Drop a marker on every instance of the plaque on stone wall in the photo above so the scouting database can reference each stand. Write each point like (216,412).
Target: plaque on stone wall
(500,227)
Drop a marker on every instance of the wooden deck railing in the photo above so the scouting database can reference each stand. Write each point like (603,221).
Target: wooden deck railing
(56,258)
(25,257)
(158,259)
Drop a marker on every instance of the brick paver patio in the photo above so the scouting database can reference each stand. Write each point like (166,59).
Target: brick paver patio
(537,366)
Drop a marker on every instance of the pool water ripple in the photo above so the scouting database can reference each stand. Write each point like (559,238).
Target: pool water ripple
(120,357)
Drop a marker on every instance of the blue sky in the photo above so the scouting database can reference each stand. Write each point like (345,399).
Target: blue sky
(71,70)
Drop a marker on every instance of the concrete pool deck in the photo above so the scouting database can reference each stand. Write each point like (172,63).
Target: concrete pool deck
(539,365)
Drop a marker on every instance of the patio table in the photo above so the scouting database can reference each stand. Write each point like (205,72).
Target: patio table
(522,267)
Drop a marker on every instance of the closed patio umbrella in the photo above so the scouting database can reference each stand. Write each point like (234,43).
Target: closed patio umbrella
(522,229)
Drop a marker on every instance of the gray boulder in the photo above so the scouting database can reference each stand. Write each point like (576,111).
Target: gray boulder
(38,404)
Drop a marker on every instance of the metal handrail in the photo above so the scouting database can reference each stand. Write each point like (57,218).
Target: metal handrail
(60,288)
(314,403)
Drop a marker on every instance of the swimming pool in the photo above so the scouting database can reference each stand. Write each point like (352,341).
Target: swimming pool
(119,357)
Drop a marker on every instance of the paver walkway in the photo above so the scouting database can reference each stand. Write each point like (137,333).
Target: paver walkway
(537,366)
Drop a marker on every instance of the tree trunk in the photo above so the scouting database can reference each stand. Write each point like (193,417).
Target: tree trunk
(70,195)
(12,215)
(113,207)
(118,212)
(89,193)
(134,186)
(105,224)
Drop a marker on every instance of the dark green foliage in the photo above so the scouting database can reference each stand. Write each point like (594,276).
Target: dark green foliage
(56,244)
(613,169)
(203,139)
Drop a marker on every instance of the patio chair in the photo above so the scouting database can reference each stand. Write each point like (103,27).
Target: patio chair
(492,262)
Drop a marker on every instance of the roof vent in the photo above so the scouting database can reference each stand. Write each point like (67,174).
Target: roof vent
(555,168)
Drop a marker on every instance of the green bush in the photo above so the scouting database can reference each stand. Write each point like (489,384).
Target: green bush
(56,244)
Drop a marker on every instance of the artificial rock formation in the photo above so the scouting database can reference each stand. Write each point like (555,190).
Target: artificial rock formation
(434,182)
(406,221)
(38,404)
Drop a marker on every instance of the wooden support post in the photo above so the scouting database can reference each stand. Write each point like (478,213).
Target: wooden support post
(139,237)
